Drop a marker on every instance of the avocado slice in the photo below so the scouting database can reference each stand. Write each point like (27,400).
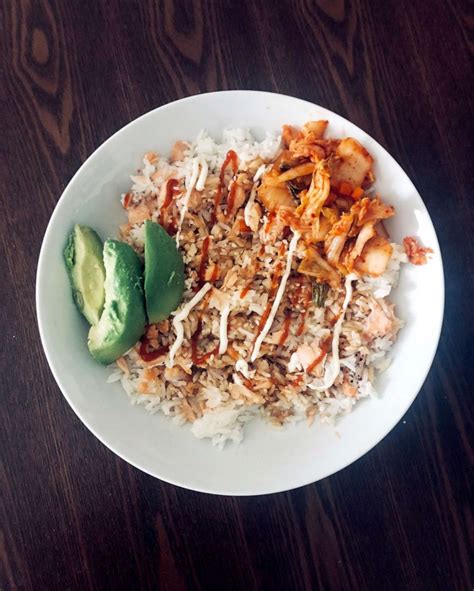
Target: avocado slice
(123,320)
(83,258)
(164,273)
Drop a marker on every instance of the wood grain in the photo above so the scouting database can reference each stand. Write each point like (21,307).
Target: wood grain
(73,516)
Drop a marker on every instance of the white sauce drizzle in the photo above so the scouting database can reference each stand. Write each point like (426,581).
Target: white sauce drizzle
(253,192)
(260,170)
(223,338)
(242,366)
(180,317)
(184,207)
(294,363)
(279,296)
(334,366)
(237,380)
(203,175)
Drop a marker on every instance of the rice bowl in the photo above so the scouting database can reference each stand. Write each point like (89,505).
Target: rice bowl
(230,425)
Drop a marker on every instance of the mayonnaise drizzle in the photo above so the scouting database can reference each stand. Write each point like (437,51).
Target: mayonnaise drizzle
(190,187)
(279,296)
(203,175)
(223,337)
(333,367)
(242,366)
(253,192)
(180,317)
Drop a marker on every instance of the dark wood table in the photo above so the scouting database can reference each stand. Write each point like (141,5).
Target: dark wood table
(74,516)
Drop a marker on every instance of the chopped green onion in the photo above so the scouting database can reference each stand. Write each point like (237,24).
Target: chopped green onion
(320,292)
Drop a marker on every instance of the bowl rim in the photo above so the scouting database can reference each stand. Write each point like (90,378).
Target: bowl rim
(437,324)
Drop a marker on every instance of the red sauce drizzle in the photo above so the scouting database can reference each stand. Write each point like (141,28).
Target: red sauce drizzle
(203,263)
(263,319)
(286,330)
(196,358)
(148,355)
(244,228)
(126,200)
(302,325)
(271,217)
(324,349)
(271,295)
(297,381)
(247,383)
(231,158)
(171,187)
(245,291)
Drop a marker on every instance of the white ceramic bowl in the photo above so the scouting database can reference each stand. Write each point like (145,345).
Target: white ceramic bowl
(269,459)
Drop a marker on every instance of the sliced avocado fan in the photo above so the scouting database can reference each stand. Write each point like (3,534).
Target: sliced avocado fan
(123,320)
(83,258)
(164,273)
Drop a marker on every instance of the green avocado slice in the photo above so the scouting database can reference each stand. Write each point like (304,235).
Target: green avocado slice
(83,258)
(164,273)
(123,320)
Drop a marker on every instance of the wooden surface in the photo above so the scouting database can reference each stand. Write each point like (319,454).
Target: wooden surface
(74,516)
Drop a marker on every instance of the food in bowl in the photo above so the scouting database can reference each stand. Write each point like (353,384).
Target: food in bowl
(267,274)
